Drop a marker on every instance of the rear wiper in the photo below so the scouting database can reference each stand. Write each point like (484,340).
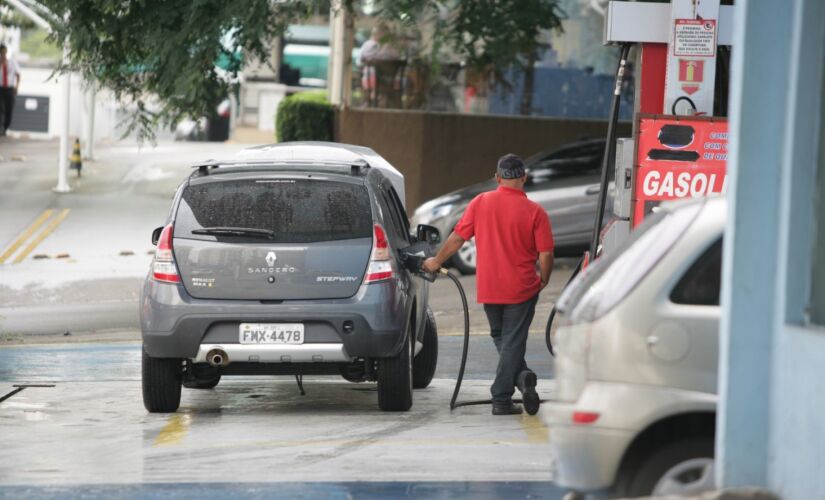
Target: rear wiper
(236,231)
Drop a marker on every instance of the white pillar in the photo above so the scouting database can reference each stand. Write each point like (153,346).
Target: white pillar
(63,152)
(338,80)
(89,146)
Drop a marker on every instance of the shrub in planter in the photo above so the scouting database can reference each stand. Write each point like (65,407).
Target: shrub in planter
(305,116)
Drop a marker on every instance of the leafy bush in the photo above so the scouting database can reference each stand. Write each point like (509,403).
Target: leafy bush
(305,116)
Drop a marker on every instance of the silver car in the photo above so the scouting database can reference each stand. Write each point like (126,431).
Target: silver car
(564,181)
(637,360)
(286,260)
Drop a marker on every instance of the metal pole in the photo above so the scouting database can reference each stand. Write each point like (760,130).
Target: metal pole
(62,153)
(89,147)
(30,14)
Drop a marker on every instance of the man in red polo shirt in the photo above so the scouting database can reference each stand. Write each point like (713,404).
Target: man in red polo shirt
(511,233)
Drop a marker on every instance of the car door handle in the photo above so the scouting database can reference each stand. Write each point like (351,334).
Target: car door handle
(593,190)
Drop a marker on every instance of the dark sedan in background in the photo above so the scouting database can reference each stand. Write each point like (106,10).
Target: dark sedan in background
(565,181)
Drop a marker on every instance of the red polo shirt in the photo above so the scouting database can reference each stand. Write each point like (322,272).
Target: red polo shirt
(510,231)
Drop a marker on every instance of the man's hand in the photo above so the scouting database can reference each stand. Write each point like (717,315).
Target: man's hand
(431,265)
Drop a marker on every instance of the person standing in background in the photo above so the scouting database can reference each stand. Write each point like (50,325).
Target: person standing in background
(9,82)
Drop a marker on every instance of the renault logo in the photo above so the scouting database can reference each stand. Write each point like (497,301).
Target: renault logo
(270,259)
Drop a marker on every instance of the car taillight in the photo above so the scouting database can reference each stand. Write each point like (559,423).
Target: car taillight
(380,267)
(163,267)
(584,417)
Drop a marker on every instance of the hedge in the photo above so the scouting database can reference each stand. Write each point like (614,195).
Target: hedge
(305,116)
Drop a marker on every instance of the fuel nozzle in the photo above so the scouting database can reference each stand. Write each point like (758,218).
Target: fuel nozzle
(413,257)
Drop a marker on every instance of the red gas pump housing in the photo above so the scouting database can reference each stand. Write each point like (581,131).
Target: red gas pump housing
(677,157)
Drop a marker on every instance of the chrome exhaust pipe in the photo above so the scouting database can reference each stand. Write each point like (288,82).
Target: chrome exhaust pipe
(217,358)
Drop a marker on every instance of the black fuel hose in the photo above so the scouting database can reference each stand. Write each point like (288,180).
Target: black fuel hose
(549,326)
(464,351)
(610,149)
(453,403)
(607,163)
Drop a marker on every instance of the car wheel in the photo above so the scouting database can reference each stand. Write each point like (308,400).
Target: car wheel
(425,362)
(395,377)
(465,259)
(679,468)
(161,380)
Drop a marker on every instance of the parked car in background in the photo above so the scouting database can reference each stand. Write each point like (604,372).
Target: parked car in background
(565,181)
(286,260)
(636,366)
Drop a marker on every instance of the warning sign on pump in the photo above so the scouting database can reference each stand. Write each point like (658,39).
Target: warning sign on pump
(694,38)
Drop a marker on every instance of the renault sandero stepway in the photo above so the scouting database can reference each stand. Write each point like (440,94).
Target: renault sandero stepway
(287,260)
(637,348)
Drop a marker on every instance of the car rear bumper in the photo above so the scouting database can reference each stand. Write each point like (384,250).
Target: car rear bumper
(585,457)
(369,324)
(588,457)
(304,353)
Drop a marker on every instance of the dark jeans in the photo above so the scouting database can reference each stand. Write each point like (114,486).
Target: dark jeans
(509,325)
(6,106)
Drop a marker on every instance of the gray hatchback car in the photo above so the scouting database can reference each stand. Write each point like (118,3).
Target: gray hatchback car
(288,260)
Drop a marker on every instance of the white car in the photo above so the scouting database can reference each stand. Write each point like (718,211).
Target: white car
(637,359)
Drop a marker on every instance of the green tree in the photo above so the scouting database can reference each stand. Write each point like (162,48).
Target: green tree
(167,49)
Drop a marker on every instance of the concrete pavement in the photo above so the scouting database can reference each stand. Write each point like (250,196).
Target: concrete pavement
(90,431)
(79,270)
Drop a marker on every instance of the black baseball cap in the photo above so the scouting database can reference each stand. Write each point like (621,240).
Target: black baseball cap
(510,166)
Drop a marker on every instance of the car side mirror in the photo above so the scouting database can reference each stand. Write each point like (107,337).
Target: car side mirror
(428,234)
(156,235)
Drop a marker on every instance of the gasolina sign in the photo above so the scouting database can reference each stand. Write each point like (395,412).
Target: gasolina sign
(678,157)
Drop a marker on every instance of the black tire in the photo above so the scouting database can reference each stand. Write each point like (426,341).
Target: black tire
(209,383)
(161,380)
(461,264)
(395,376)
(655,464)
(424,364)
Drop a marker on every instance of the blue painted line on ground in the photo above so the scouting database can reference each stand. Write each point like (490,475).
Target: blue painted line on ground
(333,490)
(70,362)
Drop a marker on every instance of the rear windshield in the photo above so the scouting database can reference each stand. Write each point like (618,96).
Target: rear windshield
(296,210)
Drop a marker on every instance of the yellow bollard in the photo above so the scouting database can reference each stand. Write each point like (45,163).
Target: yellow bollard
(75,160)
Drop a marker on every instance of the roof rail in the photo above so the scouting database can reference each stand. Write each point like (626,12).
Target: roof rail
(357,167)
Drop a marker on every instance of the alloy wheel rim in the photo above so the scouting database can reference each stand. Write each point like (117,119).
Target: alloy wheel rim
(467,253)
(690,476)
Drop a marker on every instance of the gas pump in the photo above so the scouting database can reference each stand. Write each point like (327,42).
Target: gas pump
(678,148)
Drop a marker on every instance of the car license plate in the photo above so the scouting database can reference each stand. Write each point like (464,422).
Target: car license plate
(271,333)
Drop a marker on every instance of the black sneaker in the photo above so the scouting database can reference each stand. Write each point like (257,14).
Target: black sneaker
(511,409)
(529,396)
